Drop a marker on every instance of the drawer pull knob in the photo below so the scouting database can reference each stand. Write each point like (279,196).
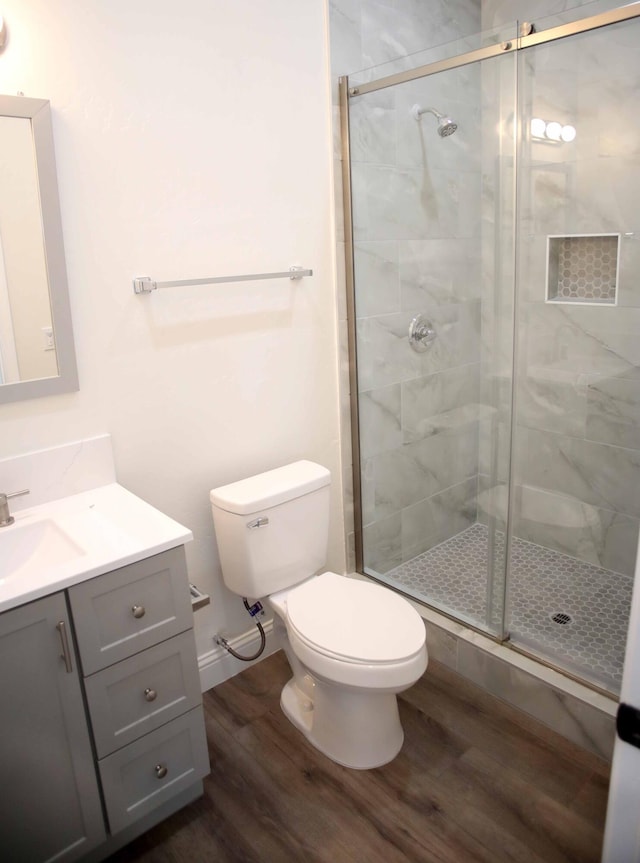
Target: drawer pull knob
(138,611)
(161,771)
(150,694)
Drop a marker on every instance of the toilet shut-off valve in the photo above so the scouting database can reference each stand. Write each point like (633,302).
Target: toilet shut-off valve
(254,610)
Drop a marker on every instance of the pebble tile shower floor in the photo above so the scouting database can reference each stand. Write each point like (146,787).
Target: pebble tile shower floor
(544,584)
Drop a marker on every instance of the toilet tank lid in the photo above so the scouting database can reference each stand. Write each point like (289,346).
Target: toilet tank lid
(270,488)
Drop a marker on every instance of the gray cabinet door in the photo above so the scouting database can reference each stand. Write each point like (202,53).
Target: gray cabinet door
(50,803)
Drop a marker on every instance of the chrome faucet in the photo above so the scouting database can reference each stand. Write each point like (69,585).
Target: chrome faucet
(5,517)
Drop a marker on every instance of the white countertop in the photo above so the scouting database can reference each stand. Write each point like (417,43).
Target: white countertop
(90,533)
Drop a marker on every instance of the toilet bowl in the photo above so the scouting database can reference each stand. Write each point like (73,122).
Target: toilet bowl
(352,645)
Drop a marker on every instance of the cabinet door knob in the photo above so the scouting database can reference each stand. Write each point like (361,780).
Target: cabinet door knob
(138,611)
(150,694)
(161,771)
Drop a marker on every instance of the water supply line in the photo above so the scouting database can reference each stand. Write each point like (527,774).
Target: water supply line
(253,610)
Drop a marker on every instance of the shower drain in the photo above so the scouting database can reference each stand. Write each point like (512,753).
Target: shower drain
(561,618)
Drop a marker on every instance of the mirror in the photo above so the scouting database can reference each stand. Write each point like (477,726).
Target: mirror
(37,355)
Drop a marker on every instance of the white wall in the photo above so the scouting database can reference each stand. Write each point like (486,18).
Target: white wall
(191,140)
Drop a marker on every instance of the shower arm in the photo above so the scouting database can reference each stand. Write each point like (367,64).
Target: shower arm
(417,112)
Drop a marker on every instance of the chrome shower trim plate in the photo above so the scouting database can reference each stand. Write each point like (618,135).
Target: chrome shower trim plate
(421,334)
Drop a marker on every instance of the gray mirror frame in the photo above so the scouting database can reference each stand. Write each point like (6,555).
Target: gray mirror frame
(39,112)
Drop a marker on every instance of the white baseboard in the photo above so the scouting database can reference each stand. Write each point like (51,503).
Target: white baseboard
(217,665)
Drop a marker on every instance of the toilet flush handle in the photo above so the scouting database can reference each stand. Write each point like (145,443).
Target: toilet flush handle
(258,522)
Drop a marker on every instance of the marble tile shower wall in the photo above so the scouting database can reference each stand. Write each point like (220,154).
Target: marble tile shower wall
(416,200)
(578,437)
(543,13)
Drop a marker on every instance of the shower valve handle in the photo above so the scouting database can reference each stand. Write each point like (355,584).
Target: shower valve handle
(421,334)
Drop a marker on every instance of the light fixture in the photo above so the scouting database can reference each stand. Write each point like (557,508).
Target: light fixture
(552,132)
(537,127)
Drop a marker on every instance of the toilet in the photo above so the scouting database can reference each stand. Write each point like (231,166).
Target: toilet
(352,645)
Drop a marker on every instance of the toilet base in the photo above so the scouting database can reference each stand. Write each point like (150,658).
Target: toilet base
(357,729)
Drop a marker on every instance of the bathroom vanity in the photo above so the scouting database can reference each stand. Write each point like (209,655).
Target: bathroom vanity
(101,710)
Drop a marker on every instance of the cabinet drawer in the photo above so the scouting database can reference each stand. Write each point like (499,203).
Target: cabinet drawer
(145,774)
(142,693)
(127,610)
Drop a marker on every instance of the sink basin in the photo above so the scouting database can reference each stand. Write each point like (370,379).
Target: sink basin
(34,547)
(53,545)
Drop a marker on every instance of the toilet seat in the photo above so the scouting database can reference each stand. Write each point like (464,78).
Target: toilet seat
(354,632)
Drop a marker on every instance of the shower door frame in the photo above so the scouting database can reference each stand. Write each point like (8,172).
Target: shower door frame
(527,38)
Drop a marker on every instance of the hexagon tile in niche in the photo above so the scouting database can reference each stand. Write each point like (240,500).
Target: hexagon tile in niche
(546,588)
(583,269)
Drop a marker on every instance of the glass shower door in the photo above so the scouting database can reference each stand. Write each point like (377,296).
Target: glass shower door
(576,452)
(432,187)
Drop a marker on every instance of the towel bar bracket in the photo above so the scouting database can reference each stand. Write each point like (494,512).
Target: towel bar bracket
(144,285)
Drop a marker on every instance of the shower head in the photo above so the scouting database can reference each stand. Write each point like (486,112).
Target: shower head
(446,126)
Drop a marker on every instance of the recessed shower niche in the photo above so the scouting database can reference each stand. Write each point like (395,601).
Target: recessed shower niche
(583,268)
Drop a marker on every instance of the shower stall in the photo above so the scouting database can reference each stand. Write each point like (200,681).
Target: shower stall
(493,274)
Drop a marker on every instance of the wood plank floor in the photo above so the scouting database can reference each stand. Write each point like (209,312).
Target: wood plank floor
(476,781)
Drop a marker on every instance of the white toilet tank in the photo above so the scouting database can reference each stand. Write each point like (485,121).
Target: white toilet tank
(273,528)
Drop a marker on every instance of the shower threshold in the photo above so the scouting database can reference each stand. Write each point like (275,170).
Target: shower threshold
(569,612)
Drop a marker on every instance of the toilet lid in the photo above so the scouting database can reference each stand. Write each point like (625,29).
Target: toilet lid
(354,619)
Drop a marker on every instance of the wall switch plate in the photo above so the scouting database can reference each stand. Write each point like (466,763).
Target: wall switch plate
(49,343)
